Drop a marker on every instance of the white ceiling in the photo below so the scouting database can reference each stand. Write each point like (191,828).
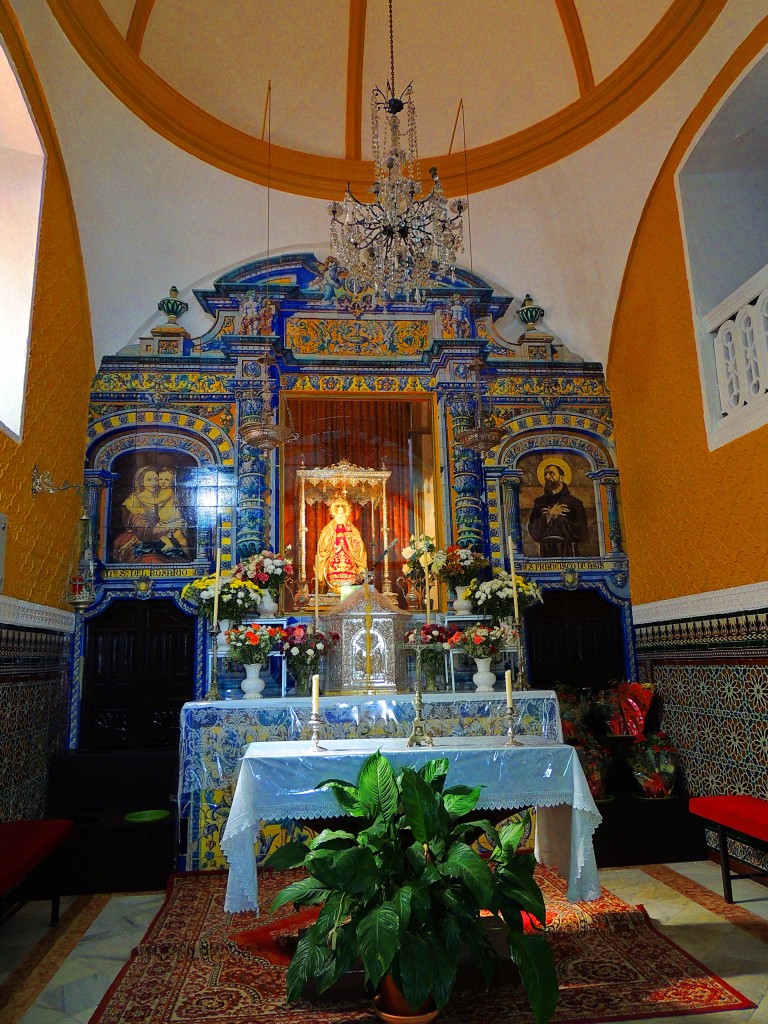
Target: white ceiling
(151,215)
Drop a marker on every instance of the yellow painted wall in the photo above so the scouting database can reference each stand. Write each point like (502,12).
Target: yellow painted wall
(695,520)
(41,530)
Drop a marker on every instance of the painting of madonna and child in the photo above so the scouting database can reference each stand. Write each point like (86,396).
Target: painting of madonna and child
(558,518)
(152,512)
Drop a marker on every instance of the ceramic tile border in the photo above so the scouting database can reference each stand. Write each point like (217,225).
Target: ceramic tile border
(14,612)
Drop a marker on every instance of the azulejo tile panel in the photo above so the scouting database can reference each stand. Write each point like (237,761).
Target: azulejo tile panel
(712,680)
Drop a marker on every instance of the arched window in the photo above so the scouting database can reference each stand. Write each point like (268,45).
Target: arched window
(22,163)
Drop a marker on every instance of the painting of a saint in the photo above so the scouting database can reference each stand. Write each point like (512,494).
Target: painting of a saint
(149,521)
(557,507)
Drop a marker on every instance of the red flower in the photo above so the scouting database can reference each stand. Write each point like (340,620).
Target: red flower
(477,639)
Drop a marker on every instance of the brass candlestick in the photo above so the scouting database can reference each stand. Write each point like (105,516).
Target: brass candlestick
(213,686)
(419,736)
(512,740)
(315,721)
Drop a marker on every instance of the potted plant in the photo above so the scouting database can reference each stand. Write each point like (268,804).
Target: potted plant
(303,649)
(481,643)
(406,893)
(431,642)
(457,567)
(496,597)
(251,646)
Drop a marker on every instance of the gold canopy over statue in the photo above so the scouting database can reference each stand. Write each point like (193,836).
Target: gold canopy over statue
(341,555)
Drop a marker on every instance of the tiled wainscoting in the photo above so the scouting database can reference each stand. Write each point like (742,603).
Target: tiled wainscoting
(34,686)
(711,675)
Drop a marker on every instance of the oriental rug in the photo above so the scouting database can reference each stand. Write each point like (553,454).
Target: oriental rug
(612,965)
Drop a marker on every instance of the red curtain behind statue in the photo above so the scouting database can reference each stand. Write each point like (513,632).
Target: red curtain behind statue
(368,433)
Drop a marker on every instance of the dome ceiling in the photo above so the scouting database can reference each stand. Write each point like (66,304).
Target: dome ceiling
(539,78)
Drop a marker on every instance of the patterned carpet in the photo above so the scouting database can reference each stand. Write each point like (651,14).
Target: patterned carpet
(612,965)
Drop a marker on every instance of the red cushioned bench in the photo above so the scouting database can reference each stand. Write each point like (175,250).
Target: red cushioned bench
(24,845)
(743,817)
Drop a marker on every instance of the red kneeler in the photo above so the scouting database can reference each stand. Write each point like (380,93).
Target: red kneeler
(743,817)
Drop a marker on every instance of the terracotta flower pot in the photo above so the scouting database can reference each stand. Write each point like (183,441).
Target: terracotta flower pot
(391,1005)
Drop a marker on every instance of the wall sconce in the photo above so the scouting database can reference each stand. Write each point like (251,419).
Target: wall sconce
(80,590)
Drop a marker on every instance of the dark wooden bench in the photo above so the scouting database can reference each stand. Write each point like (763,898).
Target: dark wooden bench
(744,818)
(23,846)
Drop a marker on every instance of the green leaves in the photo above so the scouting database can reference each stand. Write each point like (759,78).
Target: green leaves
(377,791)
(534,960)
(307,892)
(459,800)
(352,871)
(378,937)
(415,969)
(289,855)
(420,803)
(462,862)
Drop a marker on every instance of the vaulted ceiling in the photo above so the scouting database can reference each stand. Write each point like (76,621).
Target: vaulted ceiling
(569,108)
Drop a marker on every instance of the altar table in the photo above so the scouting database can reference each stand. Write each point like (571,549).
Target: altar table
(278,780)
(215,735)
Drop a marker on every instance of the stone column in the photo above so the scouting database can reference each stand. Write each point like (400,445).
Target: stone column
(511,483)
(253,492)
(609,478)
(467,477)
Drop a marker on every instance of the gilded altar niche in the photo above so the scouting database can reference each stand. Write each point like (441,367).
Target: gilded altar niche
(359,482)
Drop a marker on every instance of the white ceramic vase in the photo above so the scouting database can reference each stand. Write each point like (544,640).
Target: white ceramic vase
(253,684)
(483,679)
(267,605)
(461,603)
(221,640)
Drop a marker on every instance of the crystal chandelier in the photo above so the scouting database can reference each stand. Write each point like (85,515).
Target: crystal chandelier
(393,244)
(483,435)
(259,430)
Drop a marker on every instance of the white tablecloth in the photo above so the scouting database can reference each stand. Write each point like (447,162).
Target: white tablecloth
(278,780)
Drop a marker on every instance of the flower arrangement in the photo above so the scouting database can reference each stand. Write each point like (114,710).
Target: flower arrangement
(496,597)
(654,764)
(458,566)
(237,597)
(624,709)
(432,641)
(420,552)
(303,649)
(267,569)
(483,641)
(252,645)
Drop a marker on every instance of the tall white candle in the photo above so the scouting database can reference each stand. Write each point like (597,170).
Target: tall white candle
(315,695)
(217,581)
(508,686)
(511,549)
(317,594)
(426,585)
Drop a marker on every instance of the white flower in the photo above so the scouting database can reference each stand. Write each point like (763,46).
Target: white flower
(310,654)
(407,553)
(320,646)
(294,651)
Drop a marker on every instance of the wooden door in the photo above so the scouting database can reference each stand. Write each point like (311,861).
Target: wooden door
(576,638)
(139,670)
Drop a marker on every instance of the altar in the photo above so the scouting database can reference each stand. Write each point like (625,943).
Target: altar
(279,780)
(216,734)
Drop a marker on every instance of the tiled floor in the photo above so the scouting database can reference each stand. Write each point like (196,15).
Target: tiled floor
(684,900)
